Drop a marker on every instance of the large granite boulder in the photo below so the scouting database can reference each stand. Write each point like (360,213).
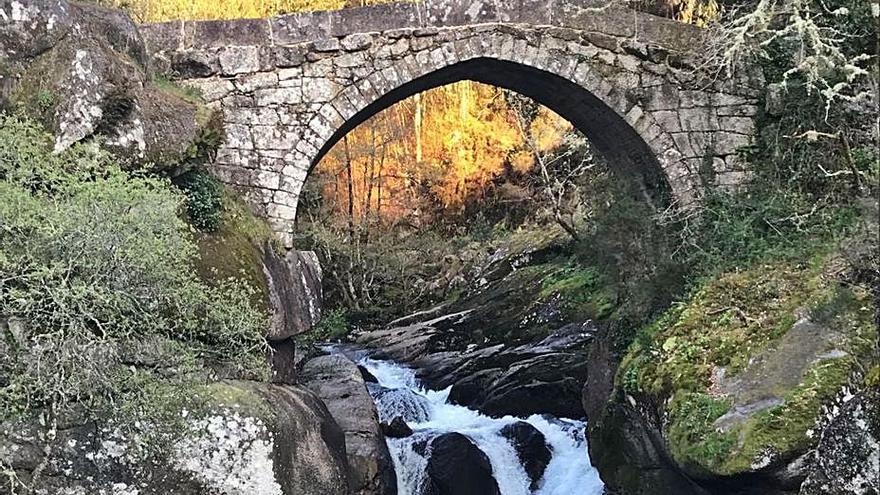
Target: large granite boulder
(253,439)
(847,459)
(293,282)
(339,383)
(82,69)
(738,390)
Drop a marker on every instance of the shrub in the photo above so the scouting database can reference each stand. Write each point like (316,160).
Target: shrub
(204,199)
(333,325)
(93,259)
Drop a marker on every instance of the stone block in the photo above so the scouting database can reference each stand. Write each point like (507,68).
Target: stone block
(238,136)
(267,137)
(698,119)
(290,56)
(194,63)
(278,96)
(327,45)
(350,59)
(729,143)
(247,83)
(739,125)
(252,116)
(267,180)
(239,60)
(319,90)
(211,89)
(355,42)
(282,211)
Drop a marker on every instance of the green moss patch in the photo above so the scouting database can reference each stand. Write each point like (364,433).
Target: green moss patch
(234,249)
(238,396)
(584,291)
(693,439)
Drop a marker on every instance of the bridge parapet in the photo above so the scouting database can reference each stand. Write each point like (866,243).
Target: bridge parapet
(593,16)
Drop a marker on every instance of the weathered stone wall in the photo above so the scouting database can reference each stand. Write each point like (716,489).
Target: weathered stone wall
(291,86)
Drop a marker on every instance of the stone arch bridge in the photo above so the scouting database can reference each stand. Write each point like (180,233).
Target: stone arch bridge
(291,86)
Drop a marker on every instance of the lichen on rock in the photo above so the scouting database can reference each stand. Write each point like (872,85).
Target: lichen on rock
(83,71)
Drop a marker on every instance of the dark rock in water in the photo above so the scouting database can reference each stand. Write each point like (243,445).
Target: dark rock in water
(548,383)
(601,367)
(629,449)
(393,402)
(458,467)
(367,376)
(531,448)
(397,428)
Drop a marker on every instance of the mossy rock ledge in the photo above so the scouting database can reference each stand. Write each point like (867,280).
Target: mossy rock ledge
(754,384)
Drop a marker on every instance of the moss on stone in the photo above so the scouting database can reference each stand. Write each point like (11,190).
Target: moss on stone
(187,93)
(585,293)
(34,95)
(787,427)
(725,322)
(728,322)
(235,248)
(693,440)
(239,397)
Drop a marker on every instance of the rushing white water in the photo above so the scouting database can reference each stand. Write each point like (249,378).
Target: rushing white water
(427,413)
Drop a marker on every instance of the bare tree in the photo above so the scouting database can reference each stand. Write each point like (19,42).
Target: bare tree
(559,169)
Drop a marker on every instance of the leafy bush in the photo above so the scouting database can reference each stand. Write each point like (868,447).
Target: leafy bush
(93,260)
(204,199)
(333,325)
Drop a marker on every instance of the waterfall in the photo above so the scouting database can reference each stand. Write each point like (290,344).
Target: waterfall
(399,393)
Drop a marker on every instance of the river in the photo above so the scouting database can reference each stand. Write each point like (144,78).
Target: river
(399,393)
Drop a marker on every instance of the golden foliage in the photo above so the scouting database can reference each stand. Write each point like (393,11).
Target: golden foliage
(698,12)
(441,148)
(165,10)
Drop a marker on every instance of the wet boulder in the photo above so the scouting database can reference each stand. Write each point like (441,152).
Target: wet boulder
(397,428)
(456,466)
(547,383)
(367,376)
(531,448)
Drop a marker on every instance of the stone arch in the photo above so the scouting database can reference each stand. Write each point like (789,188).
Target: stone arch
(291,86)
(611,130)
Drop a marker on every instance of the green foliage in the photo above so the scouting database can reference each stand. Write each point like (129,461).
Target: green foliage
(187,93)
(204,200)
(91,258)
(45,102)
(333,326)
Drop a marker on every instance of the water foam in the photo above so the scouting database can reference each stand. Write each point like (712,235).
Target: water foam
(568,473)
